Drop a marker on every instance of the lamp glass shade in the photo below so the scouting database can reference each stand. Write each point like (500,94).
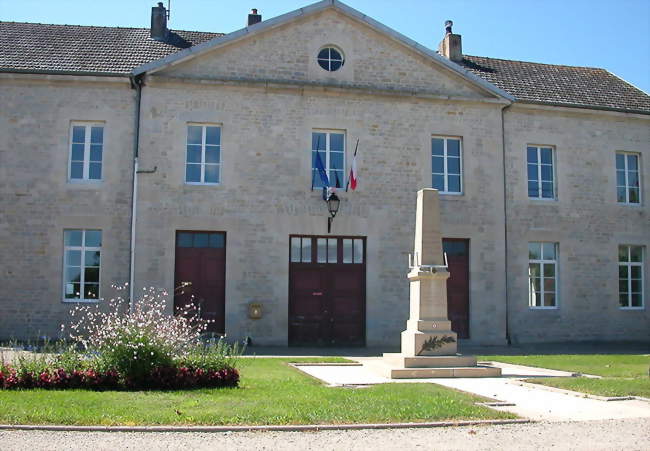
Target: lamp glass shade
(333,204)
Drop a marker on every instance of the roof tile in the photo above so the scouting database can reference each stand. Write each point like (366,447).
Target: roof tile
(114,50)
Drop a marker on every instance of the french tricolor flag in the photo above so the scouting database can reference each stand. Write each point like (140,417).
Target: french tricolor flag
(352,178)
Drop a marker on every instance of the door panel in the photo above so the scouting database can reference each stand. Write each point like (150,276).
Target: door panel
(326,300)
(201,262)
(458,284)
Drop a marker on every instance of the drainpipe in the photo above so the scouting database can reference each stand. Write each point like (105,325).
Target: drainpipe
(136,83)
(505,219)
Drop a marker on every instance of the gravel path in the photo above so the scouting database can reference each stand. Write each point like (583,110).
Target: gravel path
(628,434)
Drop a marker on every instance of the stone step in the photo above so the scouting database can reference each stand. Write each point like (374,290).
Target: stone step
(386,369)
(437,361)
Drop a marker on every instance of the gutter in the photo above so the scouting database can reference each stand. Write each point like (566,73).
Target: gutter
(136,83)
(584,106)
(505,220)
(64,72)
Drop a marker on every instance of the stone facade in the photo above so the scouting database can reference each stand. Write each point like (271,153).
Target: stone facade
(37,203)
(268,95)
(585,220)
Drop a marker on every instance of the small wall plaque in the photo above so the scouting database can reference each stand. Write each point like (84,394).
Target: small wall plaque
(254,310)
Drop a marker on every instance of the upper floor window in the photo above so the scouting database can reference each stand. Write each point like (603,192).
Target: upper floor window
(203,161)
(541,173)
(86,149)
(630,276)
(542,275)
(330,59)
(628,186)
(330,147)
(81,263)
(446,165)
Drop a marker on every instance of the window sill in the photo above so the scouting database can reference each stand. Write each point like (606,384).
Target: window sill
(632,308)
(83,182)
(80,301)
(630,204)
(542,201)
(201,184)
(543,308)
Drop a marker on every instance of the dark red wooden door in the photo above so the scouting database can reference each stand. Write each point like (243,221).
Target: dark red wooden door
(200,275)
(327,291)
(457,251)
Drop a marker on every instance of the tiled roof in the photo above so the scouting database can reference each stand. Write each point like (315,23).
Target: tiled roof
(30,47)
(561,85)
(74,48)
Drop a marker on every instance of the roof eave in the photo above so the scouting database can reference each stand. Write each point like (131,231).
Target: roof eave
(260,27)
(63,72)
(583,106)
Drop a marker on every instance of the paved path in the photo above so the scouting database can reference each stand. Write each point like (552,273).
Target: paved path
(529,401)
(608,435)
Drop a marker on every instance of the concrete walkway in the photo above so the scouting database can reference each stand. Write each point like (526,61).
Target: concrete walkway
(527,400)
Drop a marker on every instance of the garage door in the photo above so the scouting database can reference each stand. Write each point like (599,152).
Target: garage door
(327,291)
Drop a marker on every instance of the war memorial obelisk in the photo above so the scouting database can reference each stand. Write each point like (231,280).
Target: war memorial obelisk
(429,346)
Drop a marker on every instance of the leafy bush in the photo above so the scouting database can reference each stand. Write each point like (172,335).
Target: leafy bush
(142,348)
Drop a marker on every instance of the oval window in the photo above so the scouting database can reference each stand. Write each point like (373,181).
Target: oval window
(330,59)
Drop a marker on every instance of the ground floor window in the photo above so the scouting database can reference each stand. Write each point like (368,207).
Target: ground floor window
(630,276)
(81,263)
(542,274)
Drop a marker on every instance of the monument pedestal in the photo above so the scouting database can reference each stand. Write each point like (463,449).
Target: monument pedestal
(429,346)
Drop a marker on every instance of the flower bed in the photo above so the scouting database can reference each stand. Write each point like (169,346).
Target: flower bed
(140,348)
(169,378)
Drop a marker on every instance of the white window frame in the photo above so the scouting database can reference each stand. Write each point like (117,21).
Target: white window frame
(445,173)
(539,148)
(203,126)
(326,163)
(86,162)
(542,261)
(630,264)
(83,248)
(627,185)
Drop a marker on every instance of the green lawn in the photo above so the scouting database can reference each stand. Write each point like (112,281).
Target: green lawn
(622,374)
(271,392)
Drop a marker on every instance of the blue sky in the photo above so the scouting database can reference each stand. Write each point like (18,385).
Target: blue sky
(596,33)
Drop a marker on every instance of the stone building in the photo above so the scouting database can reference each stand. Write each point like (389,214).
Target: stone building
(542,170)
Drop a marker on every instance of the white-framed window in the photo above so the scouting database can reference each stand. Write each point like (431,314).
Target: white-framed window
(541,172)
(628,183)
(81,262)
(86,151)
(330,146)
(447,164)
(203,157)
(630,276)
(542,275)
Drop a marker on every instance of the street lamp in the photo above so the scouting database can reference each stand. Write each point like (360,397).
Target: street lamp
(333,203)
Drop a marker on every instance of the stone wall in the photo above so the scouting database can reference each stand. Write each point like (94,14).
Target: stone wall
(585,220)
(37,202)
(265,195)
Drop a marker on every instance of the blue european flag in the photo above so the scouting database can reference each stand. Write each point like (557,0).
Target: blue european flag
(321,171)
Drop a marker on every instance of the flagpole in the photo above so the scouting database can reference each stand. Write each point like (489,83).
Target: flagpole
(313,174)
(355,154)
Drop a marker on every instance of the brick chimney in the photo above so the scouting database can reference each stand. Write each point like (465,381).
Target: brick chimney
(451,46)
(159,29)
(253,17)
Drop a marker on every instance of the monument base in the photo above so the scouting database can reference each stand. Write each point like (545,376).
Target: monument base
(400,366)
